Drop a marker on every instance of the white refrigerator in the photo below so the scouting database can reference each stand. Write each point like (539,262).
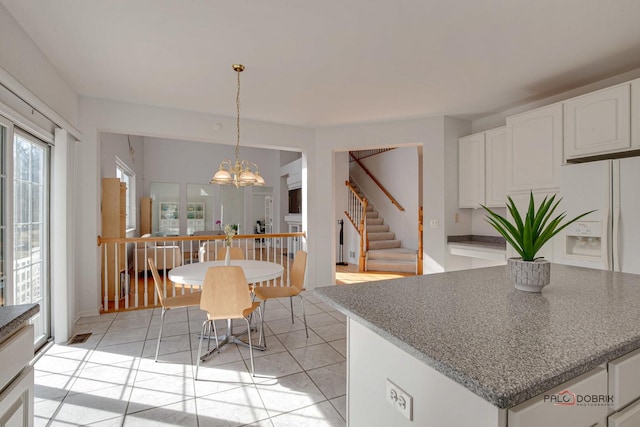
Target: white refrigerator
(608,239)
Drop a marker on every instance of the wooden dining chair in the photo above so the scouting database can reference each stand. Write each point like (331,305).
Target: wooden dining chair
(297,286)
(191,299)
(236,253)
(225,295)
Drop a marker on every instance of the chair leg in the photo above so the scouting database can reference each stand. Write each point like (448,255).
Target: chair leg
(291,303)
(253,371)
(259,325)
(264,309)
(164,310)
(202,333)
(215,334)
(304,315)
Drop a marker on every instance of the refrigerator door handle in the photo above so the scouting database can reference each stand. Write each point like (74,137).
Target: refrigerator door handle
(616,238)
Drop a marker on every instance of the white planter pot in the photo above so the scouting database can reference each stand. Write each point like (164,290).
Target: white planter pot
(529,276)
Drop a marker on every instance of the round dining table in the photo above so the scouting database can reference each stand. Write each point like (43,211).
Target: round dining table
(255,271)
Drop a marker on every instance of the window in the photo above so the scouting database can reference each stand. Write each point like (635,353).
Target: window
(126,175)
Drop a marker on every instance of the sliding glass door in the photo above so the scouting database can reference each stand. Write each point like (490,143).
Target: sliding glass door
(30,230)
(24,219)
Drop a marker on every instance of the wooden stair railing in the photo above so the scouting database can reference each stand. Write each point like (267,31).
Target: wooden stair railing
(357,214)
(382,187)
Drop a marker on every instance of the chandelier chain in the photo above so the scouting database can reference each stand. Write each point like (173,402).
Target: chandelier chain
(238,116)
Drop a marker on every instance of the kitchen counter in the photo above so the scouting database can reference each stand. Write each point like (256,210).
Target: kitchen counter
(504,345)
(13,317)
(485,247)
(474,241)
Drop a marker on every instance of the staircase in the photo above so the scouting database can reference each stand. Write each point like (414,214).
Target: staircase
(385,252)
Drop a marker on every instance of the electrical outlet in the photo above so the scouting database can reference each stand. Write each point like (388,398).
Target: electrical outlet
(434,223)
(456,218)
(352,254)
(400,399)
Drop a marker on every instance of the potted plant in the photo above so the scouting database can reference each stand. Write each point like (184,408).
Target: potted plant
(527,236)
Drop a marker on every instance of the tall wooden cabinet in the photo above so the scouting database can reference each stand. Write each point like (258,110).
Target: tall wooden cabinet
(146,210)
(114,222)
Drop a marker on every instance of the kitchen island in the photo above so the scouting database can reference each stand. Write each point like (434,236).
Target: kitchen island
(472,350)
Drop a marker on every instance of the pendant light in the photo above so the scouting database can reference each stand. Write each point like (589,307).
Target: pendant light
(238,173)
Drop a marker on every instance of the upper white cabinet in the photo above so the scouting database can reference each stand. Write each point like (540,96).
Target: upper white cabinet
(496,167)
(482,169)
(598,122)
(471,171)
(534,149)
(635,114)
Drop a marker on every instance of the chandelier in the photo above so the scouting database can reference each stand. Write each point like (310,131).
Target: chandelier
(238,173)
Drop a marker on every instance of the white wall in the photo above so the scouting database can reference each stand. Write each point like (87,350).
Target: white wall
(188,162)
(397,171)
(98,116)
(428,132)
(21,58)
(117,145)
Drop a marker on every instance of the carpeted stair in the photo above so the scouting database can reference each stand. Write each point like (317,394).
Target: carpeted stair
(385,251)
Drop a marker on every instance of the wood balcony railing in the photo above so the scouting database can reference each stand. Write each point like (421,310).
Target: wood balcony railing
(128,284)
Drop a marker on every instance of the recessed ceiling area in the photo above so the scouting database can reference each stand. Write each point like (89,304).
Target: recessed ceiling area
(333,62)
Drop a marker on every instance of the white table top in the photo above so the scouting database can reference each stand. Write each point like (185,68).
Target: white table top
(255,271)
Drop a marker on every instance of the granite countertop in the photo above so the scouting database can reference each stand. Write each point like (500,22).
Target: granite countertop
(475,241)
(12,318)
(505,345)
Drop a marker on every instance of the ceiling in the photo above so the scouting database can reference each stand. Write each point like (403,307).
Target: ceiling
(329,62)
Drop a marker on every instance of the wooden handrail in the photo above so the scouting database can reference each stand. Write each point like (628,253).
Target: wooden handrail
(382,187)
(102,240)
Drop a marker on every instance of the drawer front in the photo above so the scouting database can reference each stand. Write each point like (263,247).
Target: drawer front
(630,417)
(15,353)
(539,411)
(624,379)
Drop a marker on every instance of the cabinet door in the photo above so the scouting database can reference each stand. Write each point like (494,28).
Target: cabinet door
(597,123)
(534,149)
(539,411)
(635,114)
(496,167)
(630,417)
(471,164)
(624,379)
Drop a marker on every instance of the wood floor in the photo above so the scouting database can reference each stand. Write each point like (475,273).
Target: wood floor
(349,274)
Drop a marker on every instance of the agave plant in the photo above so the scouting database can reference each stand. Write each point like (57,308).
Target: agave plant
(539,226)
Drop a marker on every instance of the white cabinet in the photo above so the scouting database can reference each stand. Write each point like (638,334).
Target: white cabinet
(16,379)
(482,169)
(471,165)
(598,122)
(624,379)
(541,411)
(630,417)
(635,114)
(496,167)
(534,149)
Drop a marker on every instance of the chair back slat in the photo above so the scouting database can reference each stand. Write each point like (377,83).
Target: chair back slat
(225,293)
(156,280)
(297,270)
(236,253)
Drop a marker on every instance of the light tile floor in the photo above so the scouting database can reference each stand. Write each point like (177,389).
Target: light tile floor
(112,379)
